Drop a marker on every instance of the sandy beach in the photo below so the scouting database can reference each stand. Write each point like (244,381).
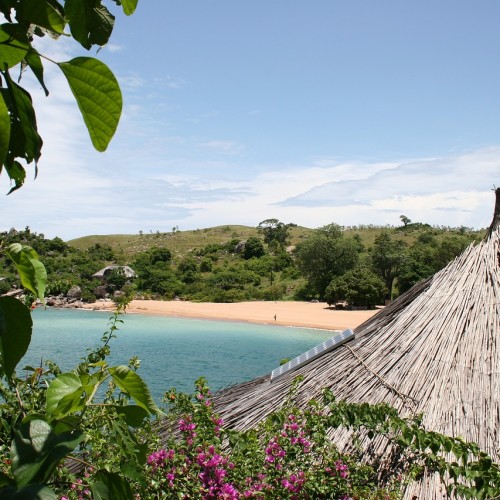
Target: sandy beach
(303,314)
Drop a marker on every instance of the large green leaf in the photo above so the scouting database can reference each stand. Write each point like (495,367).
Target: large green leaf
(65,395)
(134,415)
(15,332)
(13,45)
(46,14)
(31,271)
(89,21)
(4,130)
(25,141)
(110,485)
(129,6)
(36,450)
(131,383)
(98,96)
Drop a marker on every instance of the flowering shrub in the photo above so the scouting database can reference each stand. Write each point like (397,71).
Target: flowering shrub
(287,456)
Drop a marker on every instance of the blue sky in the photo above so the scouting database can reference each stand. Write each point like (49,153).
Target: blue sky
(352,112)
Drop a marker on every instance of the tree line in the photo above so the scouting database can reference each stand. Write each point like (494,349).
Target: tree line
(331,264)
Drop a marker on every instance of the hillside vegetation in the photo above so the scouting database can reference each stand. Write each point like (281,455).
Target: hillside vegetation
(362,265)
(179,242)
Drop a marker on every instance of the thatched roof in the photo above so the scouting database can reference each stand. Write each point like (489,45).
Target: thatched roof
(435,350)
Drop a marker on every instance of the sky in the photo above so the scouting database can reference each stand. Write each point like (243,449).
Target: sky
(353,112)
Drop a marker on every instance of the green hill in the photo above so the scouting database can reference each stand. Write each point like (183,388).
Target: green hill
(182,242)
(179,242)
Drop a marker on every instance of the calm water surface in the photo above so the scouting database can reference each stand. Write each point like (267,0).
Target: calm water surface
(174,352)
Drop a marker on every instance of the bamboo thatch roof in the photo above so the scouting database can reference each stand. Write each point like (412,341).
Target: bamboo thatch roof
(435,350)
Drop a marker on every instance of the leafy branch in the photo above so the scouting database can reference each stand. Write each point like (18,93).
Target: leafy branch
(92,83)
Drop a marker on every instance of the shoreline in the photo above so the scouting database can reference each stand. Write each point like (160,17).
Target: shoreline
(316,315)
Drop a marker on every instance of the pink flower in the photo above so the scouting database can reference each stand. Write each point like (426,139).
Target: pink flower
(294,483)
(342,469)
(170,478)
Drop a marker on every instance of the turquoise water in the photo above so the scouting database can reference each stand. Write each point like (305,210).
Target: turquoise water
(174,352)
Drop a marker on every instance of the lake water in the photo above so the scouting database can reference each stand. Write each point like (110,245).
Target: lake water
(174,352)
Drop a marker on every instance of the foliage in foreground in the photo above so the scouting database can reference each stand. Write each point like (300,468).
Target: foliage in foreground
(93,85)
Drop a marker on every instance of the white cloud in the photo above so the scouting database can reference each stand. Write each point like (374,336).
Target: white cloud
(453,191)
(224,147)
(82,197)
(416,180)
(113,47)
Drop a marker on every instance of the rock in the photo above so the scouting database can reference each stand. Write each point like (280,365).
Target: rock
(100,291)
(75,292)
(240,247)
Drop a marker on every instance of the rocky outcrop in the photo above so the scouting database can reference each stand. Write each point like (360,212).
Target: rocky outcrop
(240,247)
(62,302)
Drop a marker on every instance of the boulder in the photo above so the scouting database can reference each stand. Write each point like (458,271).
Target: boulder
(75,292)
(240,247)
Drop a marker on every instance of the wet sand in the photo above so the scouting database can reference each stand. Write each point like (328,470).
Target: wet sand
(301,314)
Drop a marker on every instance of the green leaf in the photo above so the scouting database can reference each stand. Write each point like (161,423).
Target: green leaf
(110,485)
(36,451)
(4,130)
(31,271)
(15,332)
(13,45)
(90,22)
(98,96)
(134,415)
(131,383)
(65,395)
(16,173)
(35,63)
(129,6)
(25,141)
(66,424)
(46,14)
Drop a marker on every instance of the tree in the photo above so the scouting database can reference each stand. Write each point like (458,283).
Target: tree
(405,220)
(449,248)
(253,248)
(359,287)
(93,85)
(100,252)
(324,255)
(188,269)
(116,279)
(274,230)
(387,258)
(160,254)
